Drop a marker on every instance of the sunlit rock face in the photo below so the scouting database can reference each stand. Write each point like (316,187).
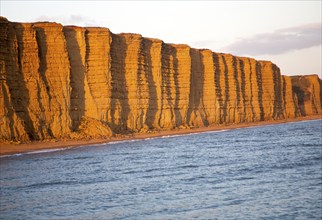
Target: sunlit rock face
(63,82)
(307,92)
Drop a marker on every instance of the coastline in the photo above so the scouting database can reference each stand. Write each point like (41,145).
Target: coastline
(10,149)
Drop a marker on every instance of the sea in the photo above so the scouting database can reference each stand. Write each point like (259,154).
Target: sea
(264,172)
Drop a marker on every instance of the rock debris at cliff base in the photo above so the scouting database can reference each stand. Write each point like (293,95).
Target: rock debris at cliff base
(57,81)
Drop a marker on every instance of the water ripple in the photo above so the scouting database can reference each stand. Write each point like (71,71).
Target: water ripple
(268,172)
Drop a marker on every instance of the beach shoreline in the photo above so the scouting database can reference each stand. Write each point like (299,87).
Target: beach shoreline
(10,149)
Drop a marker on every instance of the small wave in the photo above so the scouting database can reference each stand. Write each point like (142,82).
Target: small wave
(36,152)
(188,166)
(173,135)
(150,138)
(47,150)
(244,178)
(131,172)
(11,155)
(210,132)
(38,185)
(124,141)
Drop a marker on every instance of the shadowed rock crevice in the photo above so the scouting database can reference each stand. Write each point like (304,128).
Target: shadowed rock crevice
(196,105)
(201,93)
(284,94)
(260,90)
(235,68)
(300,94)
(42,57)
(151,56)
(119,103)
(162,85)
(10,113)
(208,98)
(192,94)
(290,100)
(42,121)
(278,104)
(168,95)
(226,115)
(218,86)
(77,75)
(178,117)
(237,107)
(146,46)
(251,98)
(243,82)
(314,104)
(16,81)
(142,89)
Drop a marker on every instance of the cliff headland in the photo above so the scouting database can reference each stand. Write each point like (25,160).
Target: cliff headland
(68,82)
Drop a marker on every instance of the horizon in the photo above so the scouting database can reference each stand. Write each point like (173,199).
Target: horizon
(291,40)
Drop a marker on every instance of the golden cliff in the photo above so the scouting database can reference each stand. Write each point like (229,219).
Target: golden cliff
(74,82)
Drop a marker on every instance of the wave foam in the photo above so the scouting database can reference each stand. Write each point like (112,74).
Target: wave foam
(36,152)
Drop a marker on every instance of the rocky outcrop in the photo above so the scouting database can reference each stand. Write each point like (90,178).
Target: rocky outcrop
(79,82)
(307,91)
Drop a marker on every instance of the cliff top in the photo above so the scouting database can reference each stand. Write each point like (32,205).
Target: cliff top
(48,24)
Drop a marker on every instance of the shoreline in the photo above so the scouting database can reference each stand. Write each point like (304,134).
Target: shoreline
(10,149)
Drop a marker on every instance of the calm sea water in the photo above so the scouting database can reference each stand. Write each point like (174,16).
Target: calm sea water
(268,172)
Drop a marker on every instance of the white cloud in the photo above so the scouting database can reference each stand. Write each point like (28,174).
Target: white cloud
(279,41)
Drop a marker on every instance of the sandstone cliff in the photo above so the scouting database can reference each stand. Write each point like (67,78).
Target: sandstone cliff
(307,91)
(71,81)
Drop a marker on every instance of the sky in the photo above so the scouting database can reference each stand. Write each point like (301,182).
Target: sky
(288,33)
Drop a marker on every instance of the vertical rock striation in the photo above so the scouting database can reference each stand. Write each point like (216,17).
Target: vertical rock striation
(11,123)
(58,81)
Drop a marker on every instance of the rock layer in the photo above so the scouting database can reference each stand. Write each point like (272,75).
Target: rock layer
(55,81)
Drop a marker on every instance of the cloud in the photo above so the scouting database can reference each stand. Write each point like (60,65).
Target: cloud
(78,20)
(279,41)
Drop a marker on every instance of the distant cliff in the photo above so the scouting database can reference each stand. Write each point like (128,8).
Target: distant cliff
(64,81)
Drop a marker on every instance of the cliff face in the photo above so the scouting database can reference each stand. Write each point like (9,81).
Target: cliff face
(35,81)
(60,81)
(307,91)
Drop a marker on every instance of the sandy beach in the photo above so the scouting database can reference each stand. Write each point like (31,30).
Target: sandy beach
(8,148)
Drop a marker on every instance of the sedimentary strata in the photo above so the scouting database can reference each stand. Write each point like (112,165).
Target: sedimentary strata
(65,81)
